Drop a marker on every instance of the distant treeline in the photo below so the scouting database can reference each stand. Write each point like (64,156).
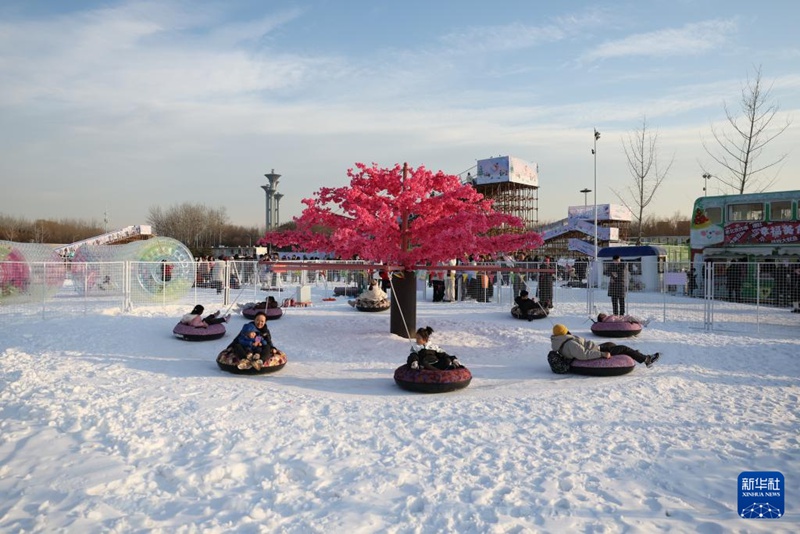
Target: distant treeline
(676,225)
(201,228)
(59,231)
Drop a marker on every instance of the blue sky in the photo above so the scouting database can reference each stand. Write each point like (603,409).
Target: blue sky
(119,106)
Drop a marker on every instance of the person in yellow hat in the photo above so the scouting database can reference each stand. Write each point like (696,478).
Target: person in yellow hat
(576,348)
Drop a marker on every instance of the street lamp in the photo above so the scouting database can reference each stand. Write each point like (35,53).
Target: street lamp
(594,153)
(706,176)
(585,192)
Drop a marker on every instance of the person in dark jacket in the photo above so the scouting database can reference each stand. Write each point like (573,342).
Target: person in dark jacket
(692,279)
(794,285)
(617,285)
(576,348)
(527,306)
(545,287)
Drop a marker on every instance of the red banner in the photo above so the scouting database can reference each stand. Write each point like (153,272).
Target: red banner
(747,233)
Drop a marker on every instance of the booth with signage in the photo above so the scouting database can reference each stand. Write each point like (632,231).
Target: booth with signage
(645,265)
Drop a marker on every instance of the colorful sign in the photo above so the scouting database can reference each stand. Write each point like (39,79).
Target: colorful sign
(762,233)
(605,212)
(507,169)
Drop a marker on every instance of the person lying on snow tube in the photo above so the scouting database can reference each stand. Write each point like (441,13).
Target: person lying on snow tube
(253,345)
(603,318)
(427,355)
(617,325)
(576,348)
(195,318)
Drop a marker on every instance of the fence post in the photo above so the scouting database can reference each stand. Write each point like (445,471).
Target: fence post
(590,281)
(126,283)
(758,297)
(708,298)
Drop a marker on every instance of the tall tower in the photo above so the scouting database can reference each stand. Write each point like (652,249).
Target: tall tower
(278,197)
(271,189)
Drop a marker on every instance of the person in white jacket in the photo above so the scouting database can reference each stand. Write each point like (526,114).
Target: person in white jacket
(218,273)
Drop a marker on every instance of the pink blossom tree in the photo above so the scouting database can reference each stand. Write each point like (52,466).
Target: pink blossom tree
(403,216)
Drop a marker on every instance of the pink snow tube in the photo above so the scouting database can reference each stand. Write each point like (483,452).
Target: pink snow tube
(194,333)
(271,313)
(611,328)
(429,381)
(616,365)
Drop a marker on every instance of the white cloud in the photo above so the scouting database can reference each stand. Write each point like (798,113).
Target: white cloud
(691,39)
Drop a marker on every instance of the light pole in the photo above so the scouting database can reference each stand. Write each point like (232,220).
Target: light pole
(706,176)
(594,153)
(585,192)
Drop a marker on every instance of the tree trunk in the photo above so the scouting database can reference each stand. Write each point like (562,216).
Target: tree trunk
(404,305)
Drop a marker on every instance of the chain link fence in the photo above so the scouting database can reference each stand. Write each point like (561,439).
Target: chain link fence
(734,296)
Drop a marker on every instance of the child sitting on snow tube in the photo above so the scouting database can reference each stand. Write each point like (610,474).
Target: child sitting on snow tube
(430,369)
(427,355)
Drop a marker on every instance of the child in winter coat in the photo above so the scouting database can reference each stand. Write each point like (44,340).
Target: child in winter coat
(248,341)
(427,355)
(253,346)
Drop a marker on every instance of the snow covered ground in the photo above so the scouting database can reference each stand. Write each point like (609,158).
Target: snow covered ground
(111,424)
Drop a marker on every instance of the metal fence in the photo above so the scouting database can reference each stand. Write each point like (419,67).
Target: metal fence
(722,296)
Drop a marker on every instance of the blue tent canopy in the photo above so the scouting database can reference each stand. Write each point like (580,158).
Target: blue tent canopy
(631,252)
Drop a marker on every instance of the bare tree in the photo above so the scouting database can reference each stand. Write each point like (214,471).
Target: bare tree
(641,152)
(738,149)
(195,225)
(12,227)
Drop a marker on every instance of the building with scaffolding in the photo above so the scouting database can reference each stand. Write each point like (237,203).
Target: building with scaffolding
(573,237)
(513,185)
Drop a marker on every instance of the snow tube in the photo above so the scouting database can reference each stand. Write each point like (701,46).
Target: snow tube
(616,365)
(228,361)
(427,381)
(372,306)
(616,328)
(193,333)
(538,313)
(271,313)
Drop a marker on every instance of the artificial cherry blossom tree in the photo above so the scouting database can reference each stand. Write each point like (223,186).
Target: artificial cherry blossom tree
(403,216)
(444,219)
